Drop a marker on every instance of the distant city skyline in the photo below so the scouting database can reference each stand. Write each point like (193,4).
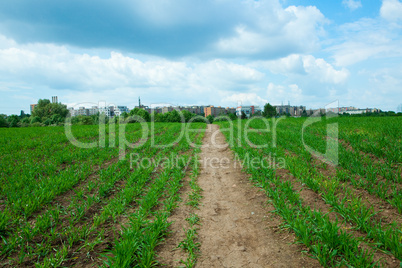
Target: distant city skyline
(307,52)
(93,108)
(111,110)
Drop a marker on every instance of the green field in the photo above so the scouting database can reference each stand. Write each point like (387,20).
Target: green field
(61,205)
(347,215)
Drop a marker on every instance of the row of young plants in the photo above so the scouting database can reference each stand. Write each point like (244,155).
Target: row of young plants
(190,243)
(141,182)
(33,176)
(136,245)
(49,227)
(26,195)
(374,173)
(38,180)
(79,204)
(378,136)
(147,226)
(327,248)
(343,200)
(379,178)
(63,223)
(337,194)
(349,204)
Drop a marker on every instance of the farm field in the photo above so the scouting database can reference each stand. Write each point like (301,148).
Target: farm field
(67,206)
(345,215)
(215,206)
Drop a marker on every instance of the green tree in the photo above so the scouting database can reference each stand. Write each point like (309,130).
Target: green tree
(160,117)
(3,121)
(47,122)
(269,110)
(95,118)
(35,119)
(243,115)
(116,119)
(82,120)
(45,109)
(141,113)
(174,117)
(125,115)
(210,118)
(23,114)
(57,119)
(144,114)
(187,115)
(25,120)
(257,113)
(13,120)
(232,116)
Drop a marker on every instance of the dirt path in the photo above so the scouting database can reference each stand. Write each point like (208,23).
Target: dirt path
(237,229)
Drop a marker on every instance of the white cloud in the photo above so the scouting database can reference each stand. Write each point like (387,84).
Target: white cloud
(221,69)
(306,66)
(366,39)
(350,53)
(391,10)
(379,88)
(277,32)
(6,42)
(292,64)
(245,99)
(278,94)
(82,71)
(90,78)
(85,71)
(352,4)
(323,71)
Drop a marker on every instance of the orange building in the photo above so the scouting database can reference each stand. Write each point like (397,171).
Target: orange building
(33,107)
(216,111)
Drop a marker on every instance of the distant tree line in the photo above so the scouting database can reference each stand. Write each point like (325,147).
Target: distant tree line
(381,113)
(44,114)
(54,114)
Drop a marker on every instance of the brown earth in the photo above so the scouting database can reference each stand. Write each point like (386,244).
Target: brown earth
(237,228)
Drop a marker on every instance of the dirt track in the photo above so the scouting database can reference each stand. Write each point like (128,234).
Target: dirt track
(237,229)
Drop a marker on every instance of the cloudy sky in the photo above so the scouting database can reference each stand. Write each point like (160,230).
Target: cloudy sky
(214,52)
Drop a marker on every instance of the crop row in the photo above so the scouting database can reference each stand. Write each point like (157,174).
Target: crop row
(78,226)
(326,239)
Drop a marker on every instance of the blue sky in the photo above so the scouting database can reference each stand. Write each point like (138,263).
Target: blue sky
(216,52)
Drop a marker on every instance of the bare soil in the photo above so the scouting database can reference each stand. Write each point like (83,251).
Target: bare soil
(237,228)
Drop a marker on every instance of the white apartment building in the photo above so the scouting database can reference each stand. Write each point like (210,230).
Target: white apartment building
(118,110)
(107,111)
(93,110)
(248,110)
